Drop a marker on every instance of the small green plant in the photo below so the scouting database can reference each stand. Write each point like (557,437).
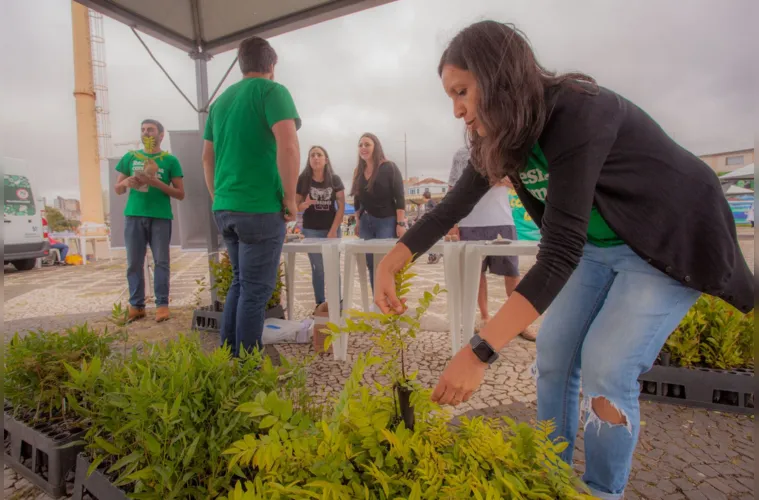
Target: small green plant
(391,335)
(715,335)
(159,421)
(222,274)
(200,288)
(120,319)
(35,370)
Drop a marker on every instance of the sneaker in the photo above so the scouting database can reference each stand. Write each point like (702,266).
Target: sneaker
(135,313)
(162,314)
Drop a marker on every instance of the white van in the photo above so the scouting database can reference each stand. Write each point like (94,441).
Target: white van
(23,235)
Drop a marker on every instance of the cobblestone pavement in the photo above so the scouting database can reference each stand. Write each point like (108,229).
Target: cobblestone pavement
(682,454)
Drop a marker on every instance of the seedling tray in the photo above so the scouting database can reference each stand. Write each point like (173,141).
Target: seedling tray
(97,485)
(728,391)
(208,318)
(35,452)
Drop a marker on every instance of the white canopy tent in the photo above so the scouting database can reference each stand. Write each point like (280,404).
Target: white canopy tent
(743,173)
(207,27)
(736,190)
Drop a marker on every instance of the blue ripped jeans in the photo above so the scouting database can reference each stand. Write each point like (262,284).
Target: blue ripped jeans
(606,327)
(254,243)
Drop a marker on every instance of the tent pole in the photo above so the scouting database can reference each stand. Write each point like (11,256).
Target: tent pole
(212,235)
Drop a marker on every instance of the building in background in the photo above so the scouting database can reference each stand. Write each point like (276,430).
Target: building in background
(69,207)
(729,161)
(416,187)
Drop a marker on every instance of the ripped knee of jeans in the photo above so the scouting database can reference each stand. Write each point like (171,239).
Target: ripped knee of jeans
(599,410)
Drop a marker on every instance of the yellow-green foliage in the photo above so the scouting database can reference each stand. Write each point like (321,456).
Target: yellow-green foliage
(222,274)
(148,142)
(359,453)
(363,450)
(713,334)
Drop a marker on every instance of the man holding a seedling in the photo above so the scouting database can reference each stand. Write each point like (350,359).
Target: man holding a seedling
(250,159)
(152,177)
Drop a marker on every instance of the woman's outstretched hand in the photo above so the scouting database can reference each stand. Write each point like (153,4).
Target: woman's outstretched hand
(384,280)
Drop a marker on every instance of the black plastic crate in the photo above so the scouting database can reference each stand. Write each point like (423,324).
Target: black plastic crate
(208,318)
(728,391)
(36,453)
(96,485)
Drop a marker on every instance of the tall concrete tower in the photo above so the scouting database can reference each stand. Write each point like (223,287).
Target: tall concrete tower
(90,190)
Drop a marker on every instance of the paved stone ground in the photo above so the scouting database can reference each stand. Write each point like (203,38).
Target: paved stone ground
(682,454)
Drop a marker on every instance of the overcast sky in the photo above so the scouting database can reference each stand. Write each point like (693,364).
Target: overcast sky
(688,63)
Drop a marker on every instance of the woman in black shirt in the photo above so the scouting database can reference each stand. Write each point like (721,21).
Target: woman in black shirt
(321,198)
(634,228)
(378,195)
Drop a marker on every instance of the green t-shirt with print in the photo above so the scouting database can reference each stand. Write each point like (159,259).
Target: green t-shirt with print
(526,228)
(535,180)
(246,178)
(149,201)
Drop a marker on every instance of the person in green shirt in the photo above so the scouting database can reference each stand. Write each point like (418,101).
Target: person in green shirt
(526,228)
(250,160)
(152,177)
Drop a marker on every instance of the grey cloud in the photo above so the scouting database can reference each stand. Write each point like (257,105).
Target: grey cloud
(686,62)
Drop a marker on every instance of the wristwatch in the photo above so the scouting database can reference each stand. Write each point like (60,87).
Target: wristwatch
(483,350)
(401,223)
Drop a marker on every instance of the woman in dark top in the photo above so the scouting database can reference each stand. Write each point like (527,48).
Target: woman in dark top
(321,198)
(619,262)
(378,196)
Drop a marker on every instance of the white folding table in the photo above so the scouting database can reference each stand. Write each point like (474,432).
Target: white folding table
(355,252)
(329,248)
(473,254)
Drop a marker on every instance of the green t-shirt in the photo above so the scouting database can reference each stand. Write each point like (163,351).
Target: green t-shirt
(246,178)
(149,201)
(535,180)
(526,228)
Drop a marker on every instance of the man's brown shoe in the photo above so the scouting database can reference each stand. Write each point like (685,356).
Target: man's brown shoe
(135,314)
(162,314)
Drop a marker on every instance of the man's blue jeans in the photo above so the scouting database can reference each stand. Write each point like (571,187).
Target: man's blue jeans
(139,232)
(254,243)
(602,331)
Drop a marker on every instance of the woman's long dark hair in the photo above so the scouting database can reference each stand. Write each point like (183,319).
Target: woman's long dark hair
(308,171)
(378,158)
(512,87)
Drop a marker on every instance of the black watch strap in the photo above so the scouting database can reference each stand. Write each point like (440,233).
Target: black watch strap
(483,350)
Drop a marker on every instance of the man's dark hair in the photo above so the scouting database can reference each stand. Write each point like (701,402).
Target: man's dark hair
(255,55)
(157,124)
(427,195)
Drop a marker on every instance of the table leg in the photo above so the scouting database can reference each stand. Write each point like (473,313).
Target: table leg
(331,258)
(363,280)
(290,282)
(452,257)
(471,280)
(83,250)
(349,274)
